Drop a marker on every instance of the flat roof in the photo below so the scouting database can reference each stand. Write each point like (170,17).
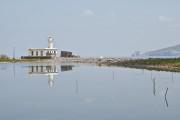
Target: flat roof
(43,49)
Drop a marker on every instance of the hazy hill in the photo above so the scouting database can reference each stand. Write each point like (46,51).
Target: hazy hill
(165,52)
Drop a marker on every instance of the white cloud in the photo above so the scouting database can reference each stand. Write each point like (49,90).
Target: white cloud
(162,18)
(88,12)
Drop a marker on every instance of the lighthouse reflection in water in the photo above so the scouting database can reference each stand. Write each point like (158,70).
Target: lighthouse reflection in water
(49,70)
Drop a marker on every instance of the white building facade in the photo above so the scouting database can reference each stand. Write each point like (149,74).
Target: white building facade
(50,51)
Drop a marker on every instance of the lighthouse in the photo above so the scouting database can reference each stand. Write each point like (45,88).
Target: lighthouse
(42,53)
(50,42)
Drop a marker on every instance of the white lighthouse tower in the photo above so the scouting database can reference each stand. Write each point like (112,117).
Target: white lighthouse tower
(48,52)
(50,42)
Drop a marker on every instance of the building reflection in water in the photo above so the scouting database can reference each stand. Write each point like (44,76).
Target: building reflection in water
(66,68)
(49,70)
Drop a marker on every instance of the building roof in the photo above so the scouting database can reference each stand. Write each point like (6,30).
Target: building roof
(42,49)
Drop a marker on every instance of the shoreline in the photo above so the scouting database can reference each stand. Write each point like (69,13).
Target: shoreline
(158,64)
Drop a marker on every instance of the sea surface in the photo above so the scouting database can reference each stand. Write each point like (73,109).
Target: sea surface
(49,91)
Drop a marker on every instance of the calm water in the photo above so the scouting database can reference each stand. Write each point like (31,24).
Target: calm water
(87,92)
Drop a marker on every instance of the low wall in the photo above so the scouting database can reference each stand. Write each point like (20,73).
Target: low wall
(36,57)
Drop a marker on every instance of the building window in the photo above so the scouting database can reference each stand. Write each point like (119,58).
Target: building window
(41,53)
(31,53)
(36,53)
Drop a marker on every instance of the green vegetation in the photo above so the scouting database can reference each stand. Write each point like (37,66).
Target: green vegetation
(5,58)
(18,60)
(170,64)
(9,60)
(152,61)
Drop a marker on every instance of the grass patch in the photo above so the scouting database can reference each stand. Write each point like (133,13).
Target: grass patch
(159,64)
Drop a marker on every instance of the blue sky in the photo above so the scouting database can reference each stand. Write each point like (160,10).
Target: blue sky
(89,27)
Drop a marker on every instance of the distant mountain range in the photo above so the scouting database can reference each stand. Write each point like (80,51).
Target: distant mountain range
(173,51)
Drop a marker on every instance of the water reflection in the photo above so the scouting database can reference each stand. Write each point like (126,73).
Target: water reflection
(165,98)
(66,68)
(113,75)
(3,66)
(50,70)
(77,87)
(162,88)
(154,86)
(86,90)
(14,71)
